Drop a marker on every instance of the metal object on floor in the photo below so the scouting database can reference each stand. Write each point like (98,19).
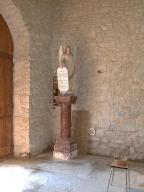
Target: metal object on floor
(118,164)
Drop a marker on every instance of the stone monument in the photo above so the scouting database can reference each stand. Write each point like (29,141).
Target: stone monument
(65,148)
(63,83)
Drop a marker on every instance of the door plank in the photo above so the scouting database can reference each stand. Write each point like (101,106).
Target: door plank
(6,90)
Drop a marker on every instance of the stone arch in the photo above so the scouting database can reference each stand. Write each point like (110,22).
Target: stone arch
(21,75)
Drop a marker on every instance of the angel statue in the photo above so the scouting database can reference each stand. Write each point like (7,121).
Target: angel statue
(67,59)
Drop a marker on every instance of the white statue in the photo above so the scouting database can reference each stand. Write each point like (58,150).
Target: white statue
(66,59)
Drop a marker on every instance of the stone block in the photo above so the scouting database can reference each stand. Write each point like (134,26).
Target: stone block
(64,149)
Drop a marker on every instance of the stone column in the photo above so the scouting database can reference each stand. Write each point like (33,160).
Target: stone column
(65,148)
(65,120)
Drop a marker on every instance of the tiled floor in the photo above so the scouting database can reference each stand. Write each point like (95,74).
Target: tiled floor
(84,174)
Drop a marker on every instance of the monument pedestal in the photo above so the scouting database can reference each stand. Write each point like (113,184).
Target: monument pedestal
(65,148)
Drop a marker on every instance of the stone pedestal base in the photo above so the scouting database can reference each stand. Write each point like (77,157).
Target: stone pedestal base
(64,149)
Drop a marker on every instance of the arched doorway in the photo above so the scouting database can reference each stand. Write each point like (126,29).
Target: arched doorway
(6,92)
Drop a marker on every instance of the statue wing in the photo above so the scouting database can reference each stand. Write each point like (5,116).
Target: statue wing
(74,52)
(75,56)
(60,53)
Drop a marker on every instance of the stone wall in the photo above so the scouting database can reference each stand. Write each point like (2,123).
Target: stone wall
(31,25)
(38,18)
(108,35)
(21,76)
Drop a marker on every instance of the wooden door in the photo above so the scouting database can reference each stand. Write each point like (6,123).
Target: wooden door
(6,82)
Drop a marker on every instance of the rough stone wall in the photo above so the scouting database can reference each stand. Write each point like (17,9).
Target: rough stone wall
(21,76)
(108,35)
(31,25)
(38,17)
